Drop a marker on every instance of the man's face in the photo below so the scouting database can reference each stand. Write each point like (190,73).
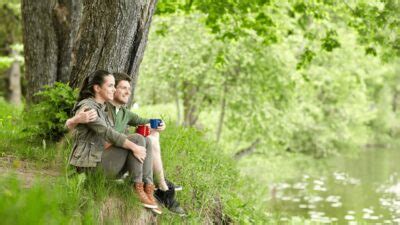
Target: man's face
(122,92)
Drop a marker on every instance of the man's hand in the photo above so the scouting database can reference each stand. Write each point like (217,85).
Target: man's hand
(162,126)
(86,116)
(139,152)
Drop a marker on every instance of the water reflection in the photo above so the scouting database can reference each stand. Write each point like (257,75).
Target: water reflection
(352,191)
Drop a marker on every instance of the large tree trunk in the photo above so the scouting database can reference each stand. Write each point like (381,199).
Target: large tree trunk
(112,36)
(65,40)
(49,28)
(67,16)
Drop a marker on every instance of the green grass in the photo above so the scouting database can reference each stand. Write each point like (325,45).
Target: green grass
(43,203)
(208,176)
(18,142)
(77,200)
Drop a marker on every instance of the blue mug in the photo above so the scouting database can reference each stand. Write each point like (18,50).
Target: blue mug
(155,123)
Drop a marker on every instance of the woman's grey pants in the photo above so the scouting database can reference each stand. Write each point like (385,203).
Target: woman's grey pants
(116,161)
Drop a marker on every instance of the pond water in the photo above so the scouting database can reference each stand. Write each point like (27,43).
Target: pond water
(351,191)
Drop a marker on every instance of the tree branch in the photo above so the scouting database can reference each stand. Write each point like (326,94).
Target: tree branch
(247,151)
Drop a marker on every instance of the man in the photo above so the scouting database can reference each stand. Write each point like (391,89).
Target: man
(122,117)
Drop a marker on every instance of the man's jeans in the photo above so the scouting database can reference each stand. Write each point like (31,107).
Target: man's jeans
(116,161)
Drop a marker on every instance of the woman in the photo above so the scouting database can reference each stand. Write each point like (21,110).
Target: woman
(90,138)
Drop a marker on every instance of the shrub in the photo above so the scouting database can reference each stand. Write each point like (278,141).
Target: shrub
(47,118)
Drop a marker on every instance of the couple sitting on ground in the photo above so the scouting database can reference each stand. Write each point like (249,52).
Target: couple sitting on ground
(100,122)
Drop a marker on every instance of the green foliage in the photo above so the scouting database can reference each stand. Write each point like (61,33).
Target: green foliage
(47,118)
(186,73)
(314,92)
(240,16)
(208,176)
(15,141)
(11,26)
(305,59)
(330,41)
(377,23)
(10,34)
(328,106)
(9,120)
(384,90)
(44,203)
(77,200)
(6,61)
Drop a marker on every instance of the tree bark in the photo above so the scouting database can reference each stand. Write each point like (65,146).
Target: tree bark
(66,19)
(177,104)
(112,36)
(49,28)
(222,115)
(190,112)
(65,40)
(395,100)
(247,151)
(14,83)
(40,45)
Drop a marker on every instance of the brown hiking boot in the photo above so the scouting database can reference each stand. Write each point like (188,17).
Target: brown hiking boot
(146,202)
(149,190)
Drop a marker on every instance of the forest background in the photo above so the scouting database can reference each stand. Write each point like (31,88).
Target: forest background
(272,86)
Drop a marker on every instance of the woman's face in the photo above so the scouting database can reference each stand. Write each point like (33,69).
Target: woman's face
(106,90)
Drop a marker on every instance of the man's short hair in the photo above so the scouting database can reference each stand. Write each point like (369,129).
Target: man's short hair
(120,77)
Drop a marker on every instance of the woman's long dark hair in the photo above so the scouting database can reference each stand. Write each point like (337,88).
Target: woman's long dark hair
(97,77)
